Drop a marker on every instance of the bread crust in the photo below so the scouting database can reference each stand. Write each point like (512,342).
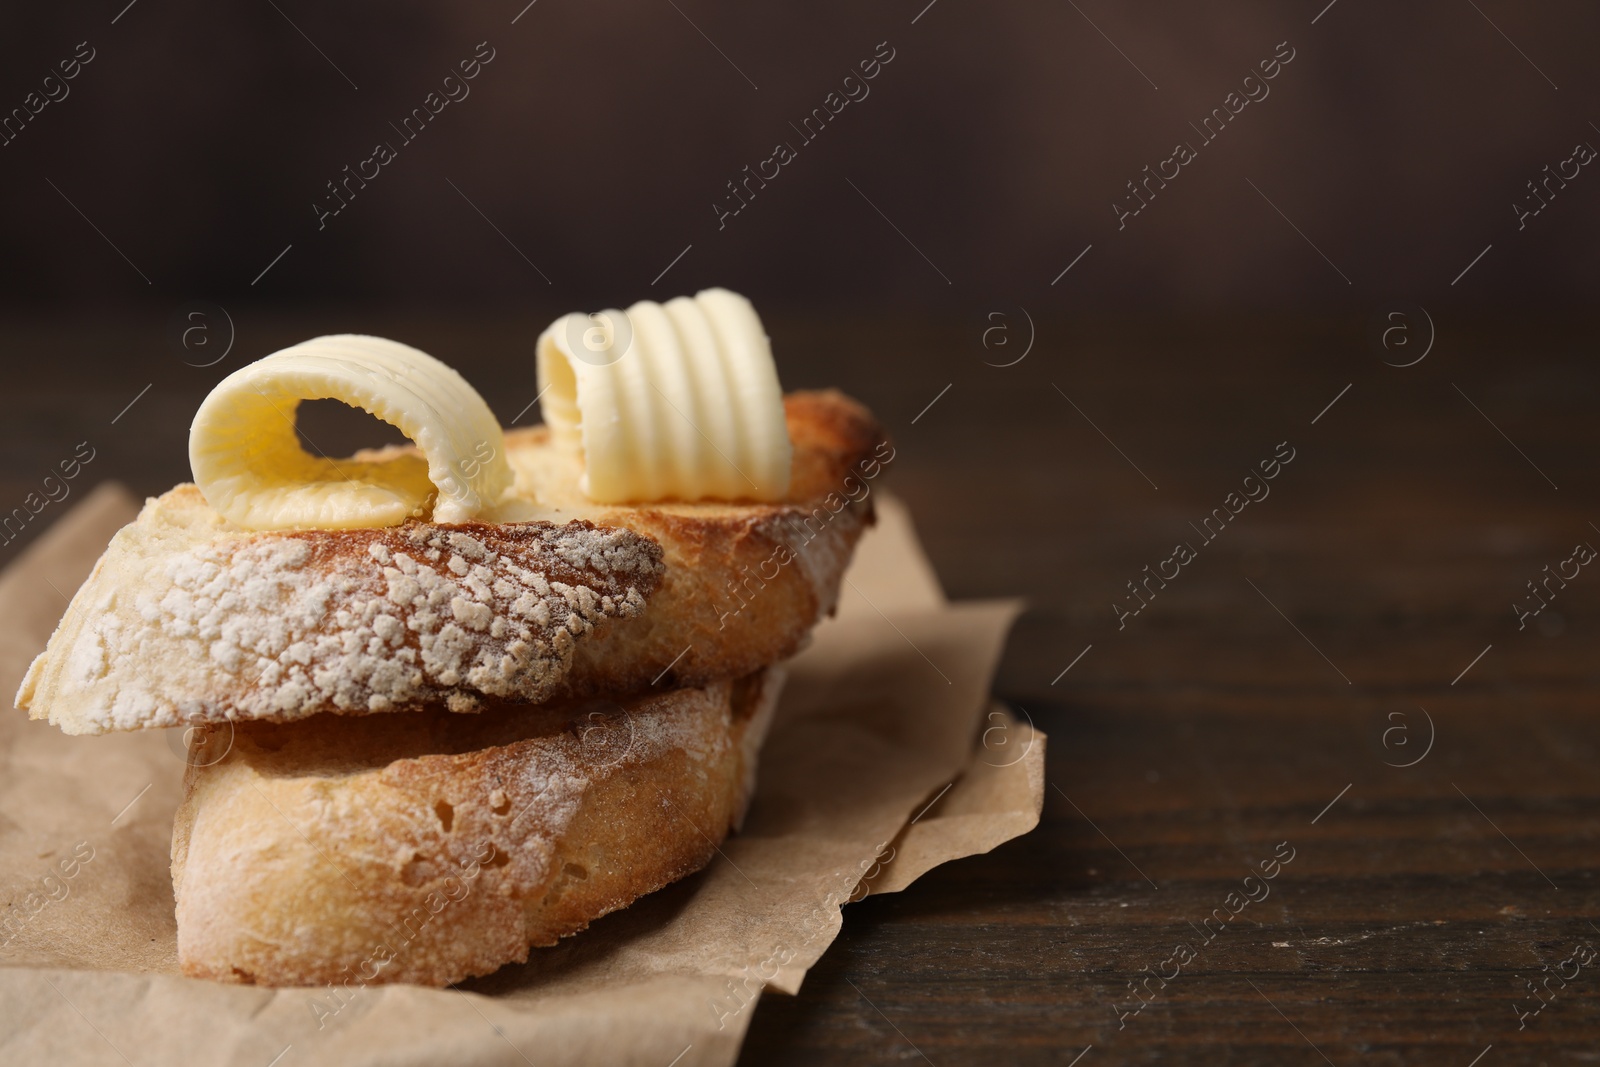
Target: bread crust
(652,596)
(432,847)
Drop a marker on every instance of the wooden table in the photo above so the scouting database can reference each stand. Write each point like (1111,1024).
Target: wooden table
(1266,695)
(1263,701)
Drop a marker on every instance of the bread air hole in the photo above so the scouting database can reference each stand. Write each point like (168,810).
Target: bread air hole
(570,873)
(446,814)
(418,870)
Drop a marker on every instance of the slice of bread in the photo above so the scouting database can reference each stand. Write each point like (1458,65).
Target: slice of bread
(430,847)
(189,619)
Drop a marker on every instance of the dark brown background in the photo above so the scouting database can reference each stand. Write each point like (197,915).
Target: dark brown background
(997,139)
(1225,717)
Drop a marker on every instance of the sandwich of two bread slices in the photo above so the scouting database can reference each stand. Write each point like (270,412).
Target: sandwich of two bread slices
(460,698)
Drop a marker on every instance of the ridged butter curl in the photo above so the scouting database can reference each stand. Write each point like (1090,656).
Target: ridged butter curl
(674,401)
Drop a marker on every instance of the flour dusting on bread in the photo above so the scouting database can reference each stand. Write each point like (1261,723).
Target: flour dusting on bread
(362,620)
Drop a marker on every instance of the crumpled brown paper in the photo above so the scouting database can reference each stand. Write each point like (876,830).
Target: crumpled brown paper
(885,760)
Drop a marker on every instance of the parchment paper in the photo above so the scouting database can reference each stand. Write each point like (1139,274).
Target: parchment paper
(886,759)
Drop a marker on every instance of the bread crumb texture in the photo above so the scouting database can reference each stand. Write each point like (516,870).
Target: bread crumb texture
(428,847)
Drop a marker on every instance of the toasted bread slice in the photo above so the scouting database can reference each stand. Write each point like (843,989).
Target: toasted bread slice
(430,847)
(190,619)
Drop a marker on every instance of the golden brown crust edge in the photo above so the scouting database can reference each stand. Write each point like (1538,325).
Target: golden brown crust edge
(746,589)
(428,861)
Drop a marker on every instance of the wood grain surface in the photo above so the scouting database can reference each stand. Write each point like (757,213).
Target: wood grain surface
(1357,618)
(1266,695)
